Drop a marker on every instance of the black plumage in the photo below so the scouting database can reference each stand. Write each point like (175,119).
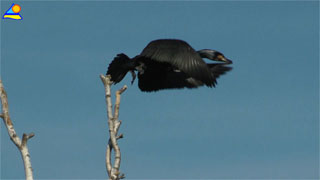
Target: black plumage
(170,64)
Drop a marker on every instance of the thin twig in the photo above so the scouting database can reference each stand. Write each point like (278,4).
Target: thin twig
(22,145)
(118,97)
(117,124)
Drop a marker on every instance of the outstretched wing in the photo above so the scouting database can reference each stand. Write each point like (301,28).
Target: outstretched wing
(181,55)
(161,76)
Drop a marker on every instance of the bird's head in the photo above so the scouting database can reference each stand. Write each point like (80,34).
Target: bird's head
(214,55)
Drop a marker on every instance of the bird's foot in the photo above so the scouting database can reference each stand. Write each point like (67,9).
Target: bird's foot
(133,76)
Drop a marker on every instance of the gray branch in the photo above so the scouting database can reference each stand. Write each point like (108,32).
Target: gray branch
(114,125)
(22,145)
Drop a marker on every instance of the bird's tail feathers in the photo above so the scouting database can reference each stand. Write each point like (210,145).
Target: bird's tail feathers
(119,67)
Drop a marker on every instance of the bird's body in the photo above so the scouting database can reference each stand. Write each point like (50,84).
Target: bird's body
(170,64)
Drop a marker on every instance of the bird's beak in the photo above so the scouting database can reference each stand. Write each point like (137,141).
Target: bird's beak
(228,61)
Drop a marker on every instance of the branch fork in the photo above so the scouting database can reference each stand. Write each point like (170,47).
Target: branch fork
(21,144)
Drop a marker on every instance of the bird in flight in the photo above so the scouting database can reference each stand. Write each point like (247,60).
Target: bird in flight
(170,64)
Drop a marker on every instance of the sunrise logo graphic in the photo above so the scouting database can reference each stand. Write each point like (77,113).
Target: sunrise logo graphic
(13,12)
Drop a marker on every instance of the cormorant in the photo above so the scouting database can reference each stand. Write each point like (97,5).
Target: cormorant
(169,64)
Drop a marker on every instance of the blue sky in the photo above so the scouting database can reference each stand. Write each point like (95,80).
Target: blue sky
(261,121)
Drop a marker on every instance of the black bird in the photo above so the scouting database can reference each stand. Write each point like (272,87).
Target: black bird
(169,64)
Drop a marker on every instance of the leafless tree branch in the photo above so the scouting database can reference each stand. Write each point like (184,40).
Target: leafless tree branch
(114,125)
(22,145)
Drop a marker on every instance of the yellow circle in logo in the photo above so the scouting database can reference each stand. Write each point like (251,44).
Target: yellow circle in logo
(16,8)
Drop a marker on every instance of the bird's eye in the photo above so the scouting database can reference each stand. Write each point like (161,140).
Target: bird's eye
(220,56)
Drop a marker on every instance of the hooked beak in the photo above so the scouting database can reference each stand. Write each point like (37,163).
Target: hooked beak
(227,61)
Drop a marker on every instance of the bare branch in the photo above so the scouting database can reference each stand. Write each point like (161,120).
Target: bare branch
(114,125)
(120,136)
(25,138)
(22,145)
(121,176)
(117,105)
(107,86)
(117,158)
(108,158)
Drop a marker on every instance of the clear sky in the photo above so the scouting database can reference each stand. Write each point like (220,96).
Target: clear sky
(261,121)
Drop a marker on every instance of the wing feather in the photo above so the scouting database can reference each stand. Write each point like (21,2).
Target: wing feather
(181,55)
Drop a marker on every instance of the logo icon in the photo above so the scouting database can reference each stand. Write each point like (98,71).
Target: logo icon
(13,12)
